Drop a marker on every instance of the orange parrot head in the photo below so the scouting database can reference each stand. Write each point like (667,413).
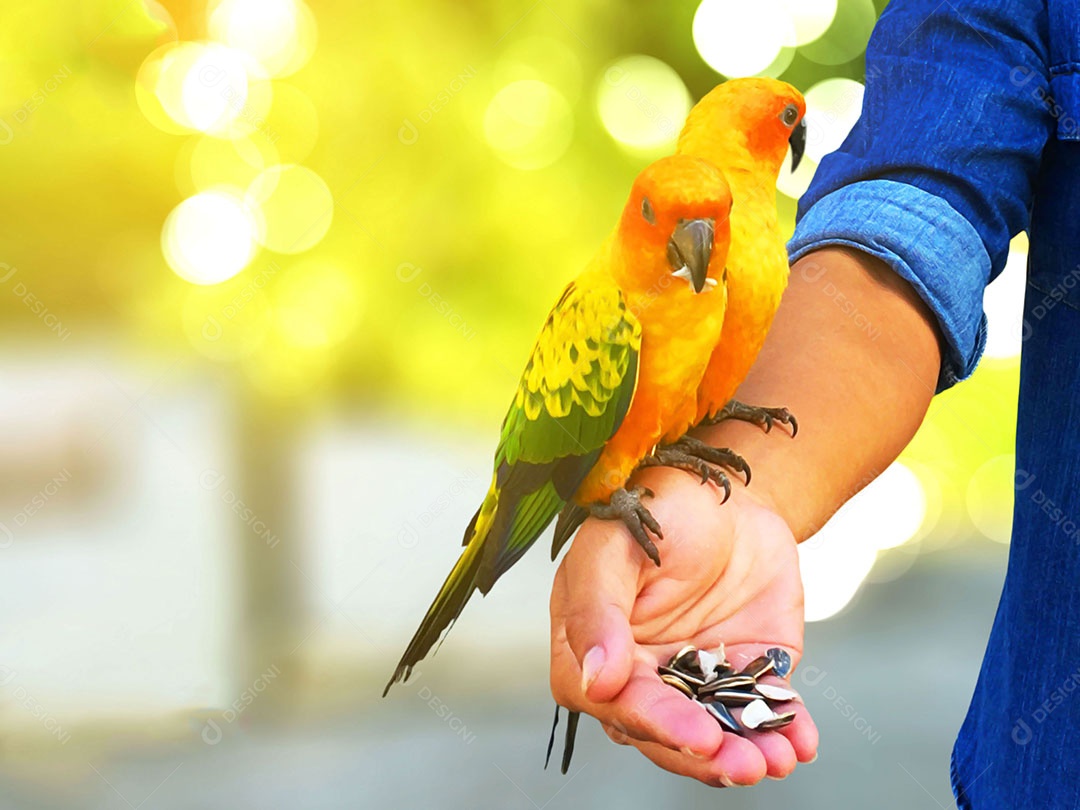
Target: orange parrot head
(675,224)
(747,124)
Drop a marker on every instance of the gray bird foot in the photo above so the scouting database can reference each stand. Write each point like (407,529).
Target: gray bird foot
(625,505)
(762,417)
(699,458)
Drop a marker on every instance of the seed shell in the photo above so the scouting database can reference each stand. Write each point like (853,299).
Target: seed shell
(678,683)
(781,661)
(779,721)
(756,713)
(776,693)
(723,716)
(759,666)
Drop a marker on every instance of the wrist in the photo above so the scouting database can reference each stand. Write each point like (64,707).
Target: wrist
(769,487)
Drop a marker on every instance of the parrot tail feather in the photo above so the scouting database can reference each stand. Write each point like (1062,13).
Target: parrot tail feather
(570,519)
(455,592)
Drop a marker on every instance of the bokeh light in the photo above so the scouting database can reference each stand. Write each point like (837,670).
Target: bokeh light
(736,38)
(832,108)
(529,124)
(294,208)
(811,18)
(780,64)
(795,183)
(209,238)
(544,59)
(208,162)
(846,37)
(642,103)
(279,35)
(1003,303)
(203,87)
(990,497)
(887,513)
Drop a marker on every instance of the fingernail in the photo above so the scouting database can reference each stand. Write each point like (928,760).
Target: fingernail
(591,666)
(726,782)
(692,753)
(812,761)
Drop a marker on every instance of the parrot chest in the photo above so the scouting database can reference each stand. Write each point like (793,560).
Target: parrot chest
(757,276)
(678,336)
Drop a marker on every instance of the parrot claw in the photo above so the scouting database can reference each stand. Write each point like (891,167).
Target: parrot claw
(694,456)
(625,505)
(763,417)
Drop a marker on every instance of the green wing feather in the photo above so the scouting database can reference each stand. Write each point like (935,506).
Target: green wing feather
(574,394)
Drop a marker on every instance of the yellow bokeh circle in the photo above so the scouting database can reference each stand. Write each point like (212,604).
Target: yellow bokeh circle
(279,35)
(737,38)
(294,208)
(529,124)
(209,237)
(642,102)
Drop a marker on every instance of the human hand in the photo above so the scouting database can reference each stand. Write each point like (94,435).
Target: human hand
(729,574)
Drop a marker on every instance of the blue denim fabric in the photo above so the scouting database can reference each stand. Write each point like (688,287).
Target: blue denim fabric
(970,133)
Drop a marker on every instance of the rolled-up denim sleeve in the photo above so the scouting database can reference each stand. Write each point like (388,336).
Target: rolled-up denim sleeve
(937,175)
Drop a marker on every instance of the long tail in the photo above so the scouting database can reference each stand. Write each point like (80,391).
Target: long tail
(453,595)
(510,519)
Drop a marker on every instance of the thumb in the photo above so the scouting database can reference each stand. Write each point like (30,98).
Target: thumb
(601,586)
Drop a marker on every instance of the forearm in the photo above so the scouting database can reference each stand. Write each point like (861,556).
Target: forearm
(854,354)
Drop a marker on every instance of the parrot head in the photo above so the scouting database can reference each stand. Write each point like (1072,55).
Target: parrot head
(676,224)
(747,124)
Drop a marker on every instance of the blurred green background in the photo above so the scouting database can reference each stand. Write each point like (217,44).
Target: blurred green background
(268,273)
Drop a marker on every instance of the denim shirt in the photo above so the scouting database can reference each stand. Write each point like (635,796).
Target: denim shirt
(970,133)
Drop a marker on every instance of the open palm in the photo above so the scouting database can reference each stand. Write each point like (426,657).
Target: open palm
(730,574)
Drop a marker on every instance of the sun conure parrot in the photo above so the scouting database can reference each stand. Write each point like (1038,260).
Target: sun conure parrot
(744,127)
(614,372)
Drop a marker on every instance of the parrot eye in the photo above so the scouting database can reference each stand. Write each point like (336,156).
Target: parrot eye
(647,212)
(790,115)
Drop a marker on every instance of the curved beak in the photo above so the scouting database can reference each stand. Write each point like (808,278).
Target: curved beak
(689,251)
(798,143)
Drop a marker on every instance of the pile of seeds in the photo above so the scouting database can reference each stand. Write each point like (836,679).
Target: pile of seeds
(708,678)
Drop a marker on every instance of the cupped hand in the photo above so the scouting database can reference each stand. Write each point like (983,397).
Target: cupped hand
(729,574)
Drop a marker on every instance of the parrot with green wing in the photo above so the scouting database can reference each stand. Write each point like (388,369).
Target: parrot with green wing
(613,374)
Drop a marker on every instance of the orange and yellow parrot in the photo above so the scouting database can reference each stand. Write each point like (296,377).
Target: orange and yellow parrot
(744,128)
(613,373)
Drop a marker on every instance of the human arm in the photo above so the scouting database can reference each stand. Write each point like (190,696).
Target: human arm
(925,194)
(730,571)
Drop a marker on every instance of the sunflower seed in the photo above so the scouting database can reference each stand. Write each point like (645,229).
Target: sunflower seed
(681,659)
(756,713)
(720,655)
(781,661)
(685,677)
(707,663)
(723,716)
(678,683)
(709,679)
(778,721)
(731,697)
(759,666)
(777,693)
(728,682)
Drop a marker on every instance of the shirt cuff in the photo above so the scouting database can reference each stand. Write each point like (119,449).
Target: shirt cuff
(924,240)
